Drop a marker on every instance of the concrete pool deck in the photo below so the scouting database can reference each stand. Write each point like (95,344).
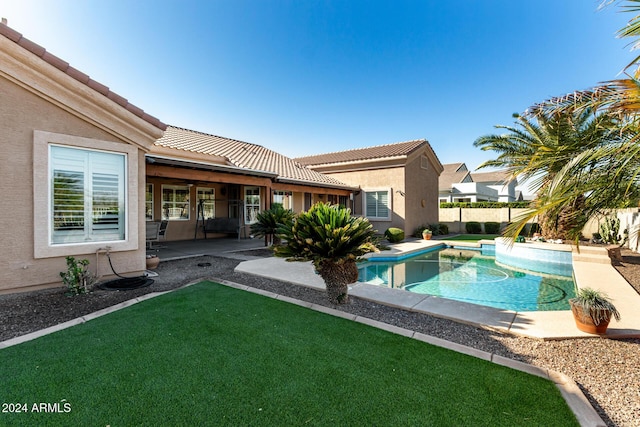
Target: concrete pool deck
(592,268)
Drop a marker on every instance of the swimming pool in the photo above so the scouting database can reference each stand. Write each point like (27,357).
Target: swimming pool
(472,276)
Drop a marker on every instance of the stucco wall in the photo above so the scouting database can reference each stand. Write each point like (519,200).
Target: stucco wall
(22,112)
(384,178)
(421,195)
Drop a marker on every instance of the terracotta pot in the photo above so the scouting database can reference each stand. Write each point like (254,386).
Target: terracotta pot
(152,263)
(584,320)
(427,236)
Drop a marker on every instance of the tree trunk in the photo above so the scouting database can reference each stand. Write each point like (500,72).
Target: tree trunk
(564,224)
(337,277)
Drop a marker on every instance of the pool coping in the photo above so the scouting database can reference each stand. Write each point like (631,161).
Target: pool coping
(589,266)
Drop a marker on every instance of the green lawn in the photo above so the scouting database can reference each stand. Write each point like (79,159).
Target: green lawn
(473,237)
(213,355)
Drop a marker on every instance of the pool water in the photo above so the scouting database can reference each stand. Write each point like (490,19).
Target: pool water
(472,276)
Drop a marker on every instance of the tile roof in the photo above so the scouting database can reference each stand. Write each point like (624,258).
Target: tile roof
(244,155)
(64,66)
(369,153)
(453,174)
(498,177)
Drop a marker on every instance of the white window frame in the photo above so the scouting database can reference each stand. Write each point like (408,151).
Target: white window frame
(247,205)
(389,207)
(169,208)
(285,198)
(148,202)
(211,202)
(42,212)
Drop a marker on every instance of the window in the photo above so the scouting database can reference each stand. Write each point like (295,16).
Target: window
(87,195)
(377,204)
(285,198)
(251,204)
(148,202)
(206,196)
(175,202)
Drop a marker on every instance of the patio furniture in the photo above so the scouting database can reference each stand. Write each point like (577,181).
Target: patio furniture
(152,230)
(156,231)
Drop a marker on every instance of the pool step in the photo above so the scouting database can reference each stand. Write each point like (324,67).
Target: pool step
(595,254)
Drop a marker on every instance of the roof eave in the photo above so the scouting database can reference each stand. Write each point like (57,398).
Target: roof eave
(315,183)
(170,161)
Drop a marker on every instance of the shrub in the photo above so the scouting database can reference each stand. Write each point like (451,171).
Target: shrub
(473,227)
(444,228)
(394,235)
(333,240)
(269,220)
(418,231)
(77,277)
(492,227)
(485,205)
(435,228)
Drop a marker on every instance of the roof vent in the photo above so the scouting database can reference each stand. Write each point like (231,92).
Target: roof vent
(4,21)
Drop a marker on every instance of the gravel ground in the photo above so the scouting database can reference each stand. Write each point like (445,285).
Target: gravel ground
(608,371)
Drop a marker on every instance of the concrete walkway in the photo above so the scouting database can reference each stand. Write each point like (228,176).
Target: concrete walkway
(595,271)
(226,247)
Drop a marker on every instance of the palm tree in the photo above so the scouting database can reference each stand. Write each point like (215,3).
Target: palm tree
(606,175)
(269,220)
(620,96)
(333,240)
(538,149)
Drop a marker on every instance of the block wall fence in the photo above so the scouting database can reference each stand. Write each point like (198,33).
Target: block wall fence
(457,218)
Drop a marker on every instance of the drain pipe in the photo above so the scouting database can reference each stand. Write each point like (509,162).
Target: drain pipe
(98,252)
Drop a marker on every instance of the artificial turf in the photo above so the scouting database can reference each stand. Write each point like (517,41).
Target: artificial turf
(213,355)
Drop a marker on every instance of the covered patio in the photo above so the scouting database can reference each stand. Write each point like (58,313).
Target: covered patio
(224,247)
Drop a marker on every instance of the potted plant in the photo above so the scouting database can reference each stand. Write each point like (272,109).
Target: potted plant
(592,310)
(152,262)
(426,234)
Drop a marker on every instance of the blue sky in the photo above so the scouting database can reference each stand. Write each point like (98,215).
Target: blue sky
(308,77)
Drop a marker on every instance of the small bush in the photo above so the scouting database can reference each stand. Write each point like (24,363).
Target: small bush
(473,227)
(435,228)
(77,277)
(444,229)
(485,204)
(394,235)
(418,231)
(492,227)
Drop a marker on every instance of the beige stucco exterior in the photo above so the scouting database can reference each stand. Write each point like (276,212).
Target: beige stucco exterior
(39,98)
(412,182)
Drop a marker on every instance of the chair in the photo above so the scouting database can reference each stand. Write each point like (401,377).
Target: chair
(153,233)
(162,230)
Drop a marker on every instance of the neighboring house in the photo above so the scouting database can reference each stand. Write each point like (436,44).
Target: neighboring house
(398,182)
(498,181)
(457,184)
(234,179)
(72,168)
